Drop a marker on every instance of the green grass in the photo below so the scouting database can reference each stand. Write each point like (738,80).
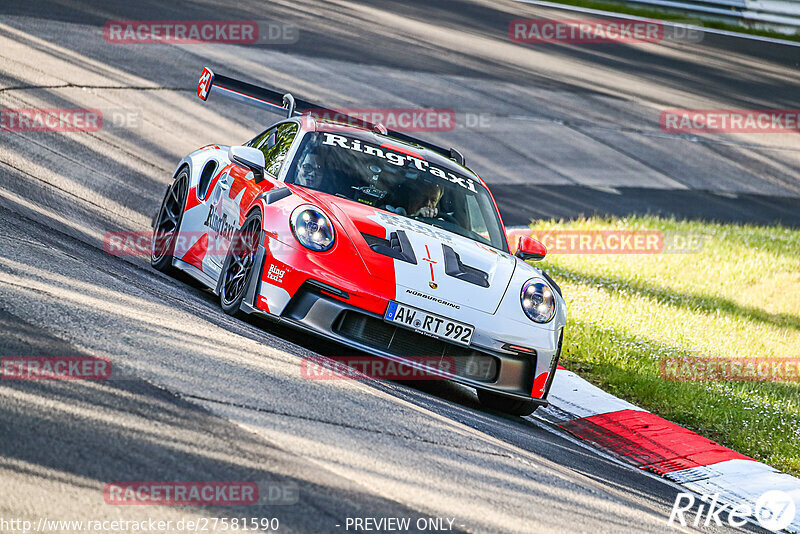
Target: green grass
(738,296)
(664,14)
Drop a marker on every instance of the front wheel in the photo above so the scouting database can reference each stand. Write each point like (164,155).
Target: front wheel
(501,403)
(240,264)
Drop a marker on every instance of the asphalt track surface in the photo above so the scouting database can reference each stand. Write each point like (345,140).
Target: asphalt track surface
(568,130)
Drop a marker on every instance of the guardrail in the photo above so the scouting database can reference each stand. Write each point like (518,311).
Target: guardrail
(783,15)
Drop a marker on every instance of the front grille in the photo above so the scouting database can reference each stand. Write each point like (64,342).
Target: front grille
(405,343)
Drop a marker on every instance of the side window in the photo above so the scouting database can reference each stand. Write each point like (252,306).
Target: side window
(259,139)
(476,217)
(275,143)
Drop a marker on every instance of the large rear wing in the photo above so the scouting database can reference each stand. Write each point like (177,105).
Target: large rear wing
(270,100)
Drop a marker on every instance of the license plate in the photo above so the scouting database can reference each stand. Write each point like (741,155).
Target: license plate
(429,323)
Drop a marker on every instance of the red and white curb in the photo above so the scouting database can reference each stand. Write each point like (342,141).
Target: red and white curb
(649,442)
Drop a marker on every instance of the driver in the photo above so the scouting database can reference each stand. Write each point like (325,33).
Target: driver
(309,171)
(424,201)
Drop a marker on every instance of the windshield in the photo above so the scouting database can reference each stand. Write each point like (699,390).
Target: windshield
(395,179)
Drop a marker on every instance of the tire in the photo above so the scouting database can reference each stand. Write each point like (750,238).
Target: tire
(168,223)
(500,403)
(239,264)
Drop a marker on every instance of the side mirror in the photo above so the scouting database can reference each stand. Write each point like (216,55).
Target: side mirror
(249,157)
(529,248)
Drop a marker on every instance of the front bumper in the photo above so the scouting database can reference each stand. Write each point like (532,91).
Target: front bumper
(507,373)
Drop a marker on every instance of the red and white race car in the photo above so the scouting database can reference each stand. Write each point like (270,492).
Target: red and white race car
(372,239)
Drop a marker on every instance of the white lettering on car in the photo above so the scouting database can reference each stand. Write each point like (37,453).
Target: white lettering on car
(398,159)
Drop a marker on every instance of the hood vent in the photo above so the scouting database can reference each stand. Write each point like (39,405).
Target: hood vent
(453,267)
(397,246)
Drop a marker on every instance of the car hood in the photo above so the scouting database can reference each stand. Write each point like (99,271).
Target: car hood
(440,264)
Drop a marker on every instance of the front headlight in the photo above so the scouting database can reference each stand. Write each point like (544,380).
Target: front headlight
(312,228)
(538,301)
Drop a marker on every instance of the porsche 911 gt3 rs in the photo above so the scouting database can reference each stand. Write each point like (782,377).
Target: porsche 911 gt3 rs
(369,238)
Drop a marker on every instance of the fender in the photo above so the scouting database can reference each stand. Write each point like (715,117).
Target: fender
(269,197)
